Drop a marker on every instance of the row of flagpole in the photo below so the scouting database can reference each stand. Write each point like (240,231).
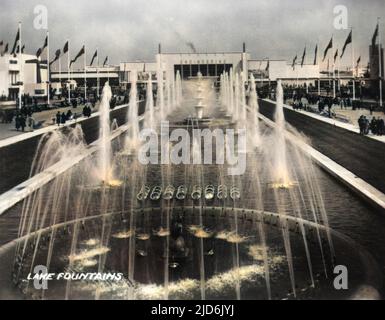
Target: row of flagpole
(82,52)
(355,64)
(18,49)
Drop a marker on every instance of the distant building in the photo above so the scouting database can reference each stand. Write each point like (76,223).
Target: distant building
(214,64)
(25,73)
(187,64)
(92,76)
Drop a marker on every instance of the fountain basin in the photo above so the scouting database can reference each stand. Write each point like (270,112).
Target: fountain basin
(219,240)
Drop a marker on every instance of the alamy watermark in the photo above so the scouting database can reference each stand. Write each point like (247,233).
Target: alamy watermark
(180,147)
(40,22)
(341,21)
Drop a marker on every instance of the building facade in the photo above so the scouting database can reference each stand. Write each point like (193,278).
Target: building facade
(23,73)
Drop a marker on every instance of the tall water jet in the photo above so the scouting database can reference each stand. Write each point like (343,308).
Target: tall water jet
(236,97)
(173,92)
(178,88)
(227,93)
(281,171)
(160,93)
(105,132)
(222,99)
(132,137)
(243,111)
(150,117)
(168,96)
(231,93)
(255,134)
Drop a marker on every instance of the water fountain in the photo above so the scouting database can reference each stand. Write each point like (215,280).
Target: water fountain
(281,172)
(160,93)
(178,89)
(105,131)
(150,112)
(254,133)
(132,137)
(186,231)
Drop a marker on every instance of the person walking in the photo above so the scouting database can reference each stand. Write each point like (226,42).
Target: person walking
(58,118)
(17,122)
(366,129)
(380,127)
(22,123)
(373,126)
(361,124)
(63,118)
(69,115)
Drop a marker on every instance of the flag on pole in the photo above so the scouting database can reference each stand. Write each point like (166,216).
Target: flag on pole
(374,38)
(5,49)
(38,52)
(18,50)
(348,40)
(335,56)
(45,45)
(94,57)
(375,35)
(268,65)
(65,49)
(315,54)
(303,57)
(57,56)
(105,61)
(16,42)
(81,52)
(294,61)
(358,61)
(330,45)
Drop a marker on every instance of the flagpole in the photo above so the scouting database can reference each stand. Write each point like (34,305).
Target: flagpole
(380,61)
(69,72)
(60,80)
(334,69)
(97,72)
(48,71)
(20,65)
(319,70)
(108,73)
(353,75)
(85,73)
(338,73)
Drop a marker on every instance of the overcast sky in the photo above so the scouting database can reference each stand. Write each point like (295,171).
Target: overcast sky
(129,30)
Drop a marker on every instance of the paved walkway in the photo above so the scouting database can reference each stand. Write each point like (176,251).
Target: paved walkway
(8,130)
(349,114)
(17,152)
(364,156)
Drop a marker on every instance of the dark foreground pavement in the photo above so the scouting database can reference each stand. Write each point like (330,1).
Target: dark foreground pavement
(16,159)
(363,156)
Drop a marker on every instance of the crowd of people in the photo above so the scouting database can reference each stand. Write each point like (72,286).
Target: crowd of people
(24,119)
(367,124)
(376,126)
(63,117)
